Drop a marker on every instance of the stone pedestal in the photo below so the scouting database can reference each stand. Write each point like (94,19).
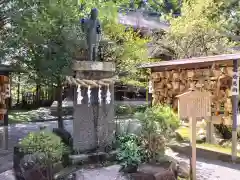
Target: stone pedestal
(93,124)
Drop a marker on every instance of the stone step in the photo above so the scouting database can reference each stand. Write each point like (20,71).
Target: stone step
(93,157)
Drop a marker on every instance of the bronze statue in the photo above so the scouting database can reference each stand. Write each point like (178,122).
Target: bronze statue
(92,29)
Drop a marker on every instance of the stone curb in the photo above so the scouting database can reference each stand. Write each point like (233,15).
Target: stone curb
(203,153)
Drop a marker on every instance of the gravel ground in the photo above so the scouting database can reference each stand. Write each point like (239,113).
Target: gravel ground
(211,170)
(206,169)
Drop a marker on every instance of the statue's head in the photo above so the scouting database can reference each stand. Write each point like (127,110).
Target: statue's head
(94,13)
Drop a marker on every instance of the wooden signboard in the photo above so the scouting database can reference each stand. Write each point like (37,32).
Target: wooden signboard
(194,105)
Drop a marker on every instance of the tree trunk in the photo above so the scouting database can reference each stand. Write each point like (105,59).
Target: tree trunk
(59,106)
(18,89)
(38,90)
(51,93)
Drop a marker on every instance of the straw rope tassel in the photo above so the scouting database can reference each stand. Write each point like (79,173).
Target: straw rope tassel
(79,95)
(100,95)
(89,95)
(108,99)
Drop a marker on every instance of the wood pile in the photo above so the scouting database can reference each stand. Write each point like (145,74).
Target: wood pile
(168,84)
(5,93)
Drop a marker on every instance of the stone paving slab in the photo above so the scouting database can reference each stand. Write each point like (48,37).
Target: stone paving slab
(105,173)
(206,169)
(7,175)
(212,170)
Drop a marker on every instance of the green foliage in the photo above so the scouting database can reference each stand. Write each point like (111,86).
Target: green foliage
(46,37)
(159,119)
(157,123)
(44,142)
(4,11)
(126,138)
(47,53)
(225,131)
(197,32)
(123,110)
(140,108)
(230,14)
(130,151)
(23,116)
(128,51)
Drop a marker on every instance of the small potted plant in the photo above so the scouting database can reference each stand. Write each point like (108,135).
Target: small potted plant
(129,156)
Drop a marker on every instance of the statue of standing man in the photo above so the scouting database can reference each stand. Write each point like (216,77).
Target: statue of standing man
(92,29)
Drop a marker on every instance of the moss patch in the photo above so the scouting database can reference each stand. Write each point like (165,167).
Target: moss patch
(185,133)
(21,116)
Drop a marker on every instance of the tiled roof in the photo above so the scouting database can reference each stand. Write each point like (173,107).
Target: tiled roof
(142,20)
(195,61)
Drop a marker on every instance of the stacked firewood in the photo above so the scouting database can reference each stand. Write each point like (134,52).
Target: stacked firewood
(4,94)
(168,84)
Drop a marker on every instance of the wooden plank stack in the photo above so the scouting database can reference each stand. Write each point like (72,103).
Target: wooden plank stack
(168,84)
(5,90)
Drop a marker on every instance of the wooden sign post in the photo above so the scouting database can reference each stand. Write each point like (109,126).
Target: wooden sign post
(194,105)
(235,94)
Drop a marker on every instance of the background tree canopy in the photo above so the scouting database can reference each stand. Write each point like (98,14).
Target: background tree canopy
(43,37)
(197,32)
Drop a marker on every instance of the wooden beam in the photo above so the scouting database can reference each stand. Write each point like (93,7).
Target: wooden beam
(235,110)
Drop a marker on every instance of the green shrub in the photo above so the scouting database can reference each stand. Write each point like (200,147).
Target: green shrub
(44,142)
(122,139)
(161,119)
(225,131)
(157,123)
(122,110)
(140,108)
(130,151)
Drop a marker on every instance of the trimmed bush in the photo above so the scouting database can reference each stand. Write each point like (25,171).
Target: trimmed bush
(44,142)
(123,110)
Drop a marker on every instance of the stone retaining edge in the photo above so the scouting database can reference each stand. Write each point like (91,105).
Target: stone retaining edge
(203,153)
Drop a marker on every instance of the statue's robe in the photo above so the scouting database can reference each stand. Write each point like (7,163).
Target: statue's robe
(93,33)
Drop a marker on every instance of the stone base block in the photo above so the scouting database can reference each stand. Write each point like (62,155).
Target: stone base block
(84,133)
(151,172)
(93,66)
